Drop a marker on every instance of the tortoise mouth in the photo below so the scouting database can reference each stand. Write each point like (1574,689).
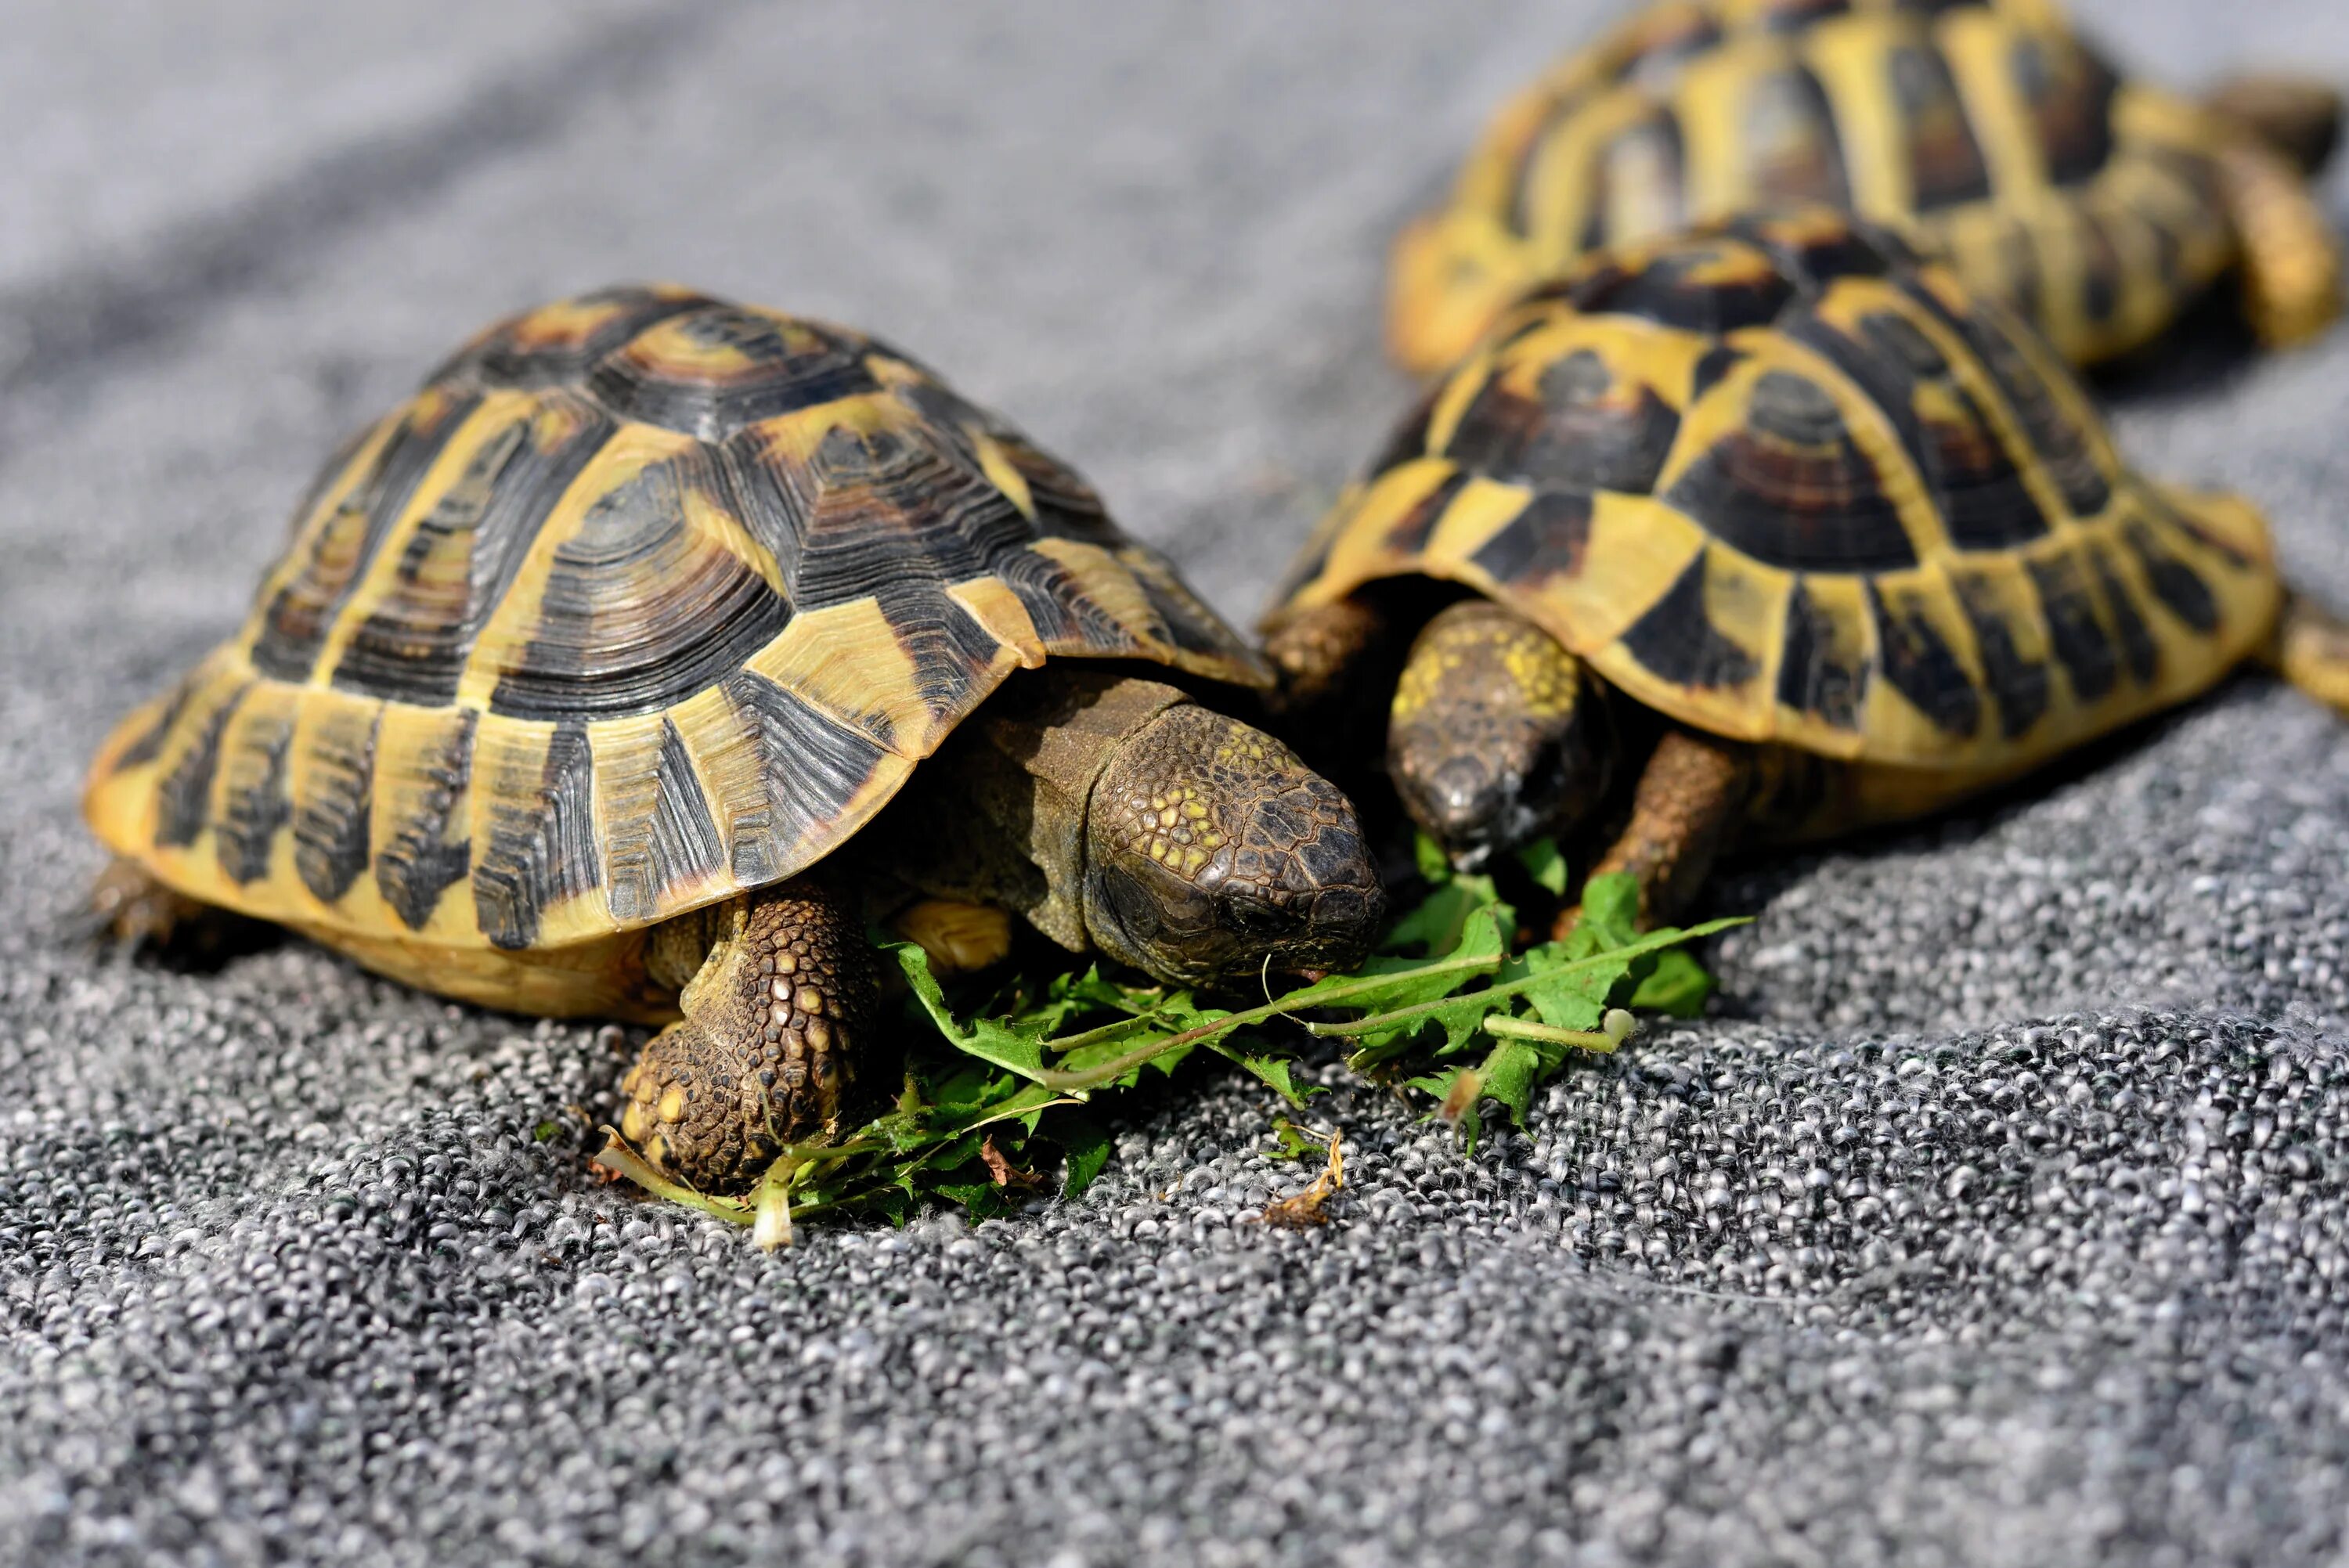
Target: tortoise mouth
(1185,934)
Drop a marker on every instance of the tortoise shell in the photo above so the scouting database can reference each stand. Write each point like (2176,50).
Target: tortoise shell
(2000,141)
(645,600)
(1784,483)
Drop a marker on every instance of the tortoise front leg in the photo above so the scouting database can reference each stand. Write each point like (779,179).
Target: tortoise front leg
(132,910)
(2312,652)
(1333,663)
(1691,799)
(767,1052)
(2291,257)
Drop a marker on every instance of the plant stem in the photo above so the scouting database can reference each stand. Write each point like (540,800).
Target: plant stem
(1510,1028)
(1109,1031)
(1655,943)
(1324,996)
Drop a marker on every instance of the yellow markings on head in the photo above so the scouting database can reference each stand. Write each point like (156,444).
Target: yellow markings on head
(1544,676)
(1542,672)
(1231,750)
(1170,828)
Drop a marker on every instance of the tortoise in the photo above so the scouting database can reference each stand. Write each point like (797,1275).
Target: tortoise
(596,679)
(1786,516)
(2099,207)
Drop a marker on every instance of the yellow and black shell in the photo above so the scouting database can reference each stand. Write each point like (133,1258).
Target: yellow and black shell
(645,600)
(1985,127)
(1781,482)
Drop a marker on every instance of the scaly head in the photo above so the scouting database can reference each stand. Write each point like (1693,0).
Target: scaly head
(1497,734)
(1211,851)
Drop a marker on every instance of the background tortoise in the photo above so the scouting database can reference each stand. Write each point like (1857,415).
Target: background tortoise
(2097,206)
(1857,536)
(645,604)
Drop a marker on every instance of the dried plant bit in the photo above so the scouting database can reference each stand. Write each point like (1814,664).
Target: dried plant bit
(1302,1210)
(1467,1087)
(1001,1171)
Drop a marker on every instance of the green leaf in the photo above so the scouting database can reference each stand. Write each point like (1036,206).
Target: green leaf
(1015,1066)
(1651,942)
(1545,865)
(1478,945)
(985,1038)
(1610,912)
(1434,864)
(1436,925)
(1272,1071)
(1565,997)
(1677,985)
(1293,1144)
(1511,1072)
(1084,1150)
(1448,1090)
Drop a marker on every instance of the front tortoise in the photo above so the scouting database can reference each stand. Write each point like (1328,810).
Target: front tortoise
(1830,539)
(584,666)
(2097,206)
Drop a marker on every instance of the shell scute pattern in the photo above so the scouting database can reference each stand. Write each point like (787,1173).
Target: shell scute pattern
(1884,523)
(1986,128)
(643,600)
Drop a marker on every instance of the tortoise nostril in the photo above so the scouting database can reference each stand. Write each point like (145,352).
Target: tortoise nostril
(1464,798)
(1345,915)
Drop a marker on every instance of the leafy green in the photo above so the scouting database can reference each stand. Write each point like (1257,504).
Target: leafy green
(994,1085)
(1545,865)
(1678,986)
(1293,1142)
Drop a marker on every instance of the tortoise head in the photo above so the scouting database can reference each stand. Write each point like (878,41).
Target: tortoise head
(1497,736)
(1212,852)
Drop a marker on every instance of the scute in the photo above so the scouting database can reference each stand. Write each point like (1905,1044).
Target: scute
(1986,130)
(643,600)
(1887,524)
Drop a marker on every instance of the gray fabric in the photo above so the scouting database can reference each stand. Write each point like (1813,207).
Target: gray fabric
(2003,1215)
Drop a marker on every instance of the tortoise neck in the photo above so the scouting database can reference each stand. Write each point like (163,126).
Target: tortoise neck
(999,815)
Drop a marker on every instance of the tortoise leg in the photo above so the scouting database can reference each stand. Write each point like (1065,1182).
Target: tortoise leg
(766,1053)
(2311,651)
(130,909)
(1691,799)
(1328,659)
(2291,257)
(2299,116)
(957,936)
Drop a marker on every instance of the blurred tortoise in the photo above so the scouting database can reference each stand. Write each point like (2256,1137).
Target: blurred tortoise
(1826,539)
(2097,206)
(583,669)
